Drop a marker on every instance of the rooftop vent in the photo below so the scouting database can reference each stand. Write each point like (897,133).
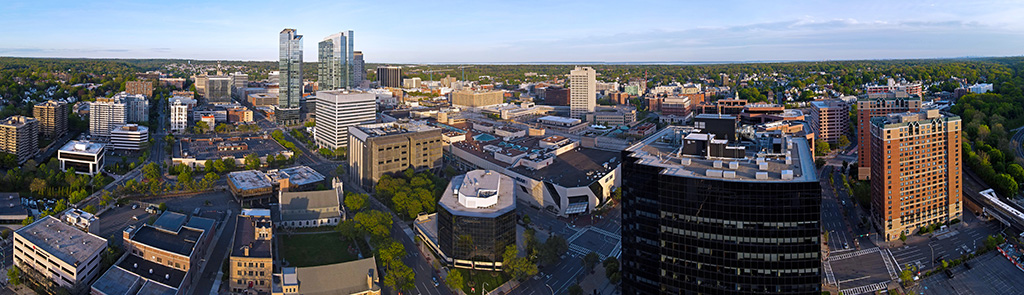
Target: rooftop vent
(762,175)
(718,164)
(684,161)
(761,160)
(150,271)
(762,166)
(734,165)
(714,173)
(729,174)
(789,160)
(787,174)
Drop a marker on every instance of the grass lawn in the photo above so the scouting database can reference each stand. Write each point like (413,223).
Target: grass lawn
(315,249)
(478,278)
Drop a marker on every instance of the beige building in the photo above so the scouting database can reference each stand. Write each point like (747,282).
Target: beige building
(53,118)
(19,136)
(358,277)
(252,261)
(915,171)
(582,92)
(377,149)
(469,98)
(829,119)
(174,244)
(139,87)
(51,252)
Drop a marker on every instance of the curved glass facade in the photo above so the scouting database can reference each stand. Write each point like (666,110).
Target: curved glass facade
(475,238)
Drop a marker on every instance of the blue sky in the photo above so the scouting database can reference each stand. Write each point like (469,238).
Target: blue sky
(518,31)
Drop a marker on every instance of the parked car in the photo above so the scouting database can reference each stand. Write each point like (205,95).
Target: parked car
(435,282)
(949,273)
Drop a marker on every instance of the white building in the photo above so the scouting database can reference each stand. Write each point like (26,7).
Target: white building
(85,157)
(582,92)
(336,110)
(49,249)
(179,115)
(311,208)
(980,88)
(104,115)
(129,137)
(137,106)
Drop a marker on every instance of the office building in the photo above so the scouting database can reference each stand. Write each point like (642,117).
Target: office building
(19,136)
(251,188)
(165,256)
(311,208)
(200,83)
(139,87)
(83,156)
(358,69)
(336,110)
(479,205)
(613,115)
(582,92)
(915,171)
(472,99)
(335,62)
(252,263)
(290,66)
(129,137)
(980,88)
(239,82)
(556,95)
(53,253)
(829,119)
(357,277)
(868,108)
(412,83)
(378,149)
(179,116)
(53,118)
(104,115)
(709,216)
(388,76)
(218,89)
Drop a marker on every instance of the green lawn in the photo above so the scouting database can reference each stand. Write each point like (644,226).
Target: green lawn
(479,278)
(315,249)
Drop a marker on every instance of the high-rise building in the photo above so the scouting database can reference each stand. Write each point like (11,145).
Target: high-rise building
(252,261)
(868,108)
(53,118)
(915,171)
(290,66)
(470,98)
(218,89)
(336,110)
(388,76)
(104,115)
(582,92)
(476,219)
(358,68)
(137,107)
(179,115)
(139,87)
(703,215)
(829,119)
(19,136)
(336,62)
(382,148)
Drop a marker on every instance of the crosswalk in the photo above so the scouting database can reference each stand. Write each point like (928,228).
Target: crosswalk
(849,255)
(888,265)
(866,289)
(830,278)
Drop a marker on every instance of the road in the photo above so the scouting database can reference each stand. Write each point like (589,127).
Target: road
(1018,143)
(58,143)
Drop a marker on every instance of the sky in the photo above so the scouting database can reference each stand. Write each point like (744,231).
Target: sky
(518,31)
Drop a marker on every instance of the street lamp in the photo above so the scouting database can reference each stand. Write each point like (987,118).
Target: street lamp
(484,287)
(549,289)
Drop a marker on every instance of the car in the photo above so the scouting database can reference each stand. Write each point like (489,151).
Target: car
(435,282)
(949,273)
(135,206)
(967,265)
(846,245)
(937,259)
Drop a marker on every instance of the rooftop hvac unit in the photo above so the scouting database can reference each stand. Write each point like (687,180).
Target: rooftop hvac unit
(729,174)
(714,173)
(762,175)
(762,166)
(718,164)
(787,174)
(734,165)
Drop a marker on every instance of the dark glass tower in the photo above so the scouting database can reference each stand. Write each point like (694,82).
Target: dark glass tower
(702,217)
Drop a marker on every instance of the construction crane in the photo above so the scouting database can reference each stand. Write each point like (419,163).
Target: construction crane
(431,72)
(463,68)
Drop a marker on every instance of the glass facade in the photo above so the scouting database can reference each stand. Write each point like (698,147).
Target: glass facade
(290,65)
(335,69)
(714,236)
(475,238)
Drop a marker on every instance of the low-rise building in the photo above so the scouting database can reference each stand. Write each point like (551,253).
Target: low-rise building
(358,277)
(613,116)
(55,254)
(84,221)
(83,156)
(129,137)
(296,178)
(194,152)
(251,187)
(263,99)
(252,263)
(473,99)
(168,250)
(311,208)
(12,210)
(392,147)
(563,124)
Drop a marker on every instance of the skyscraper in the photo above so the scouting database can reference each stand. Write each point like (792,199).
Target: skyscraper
(868,108)
(53,118)
(19,136)
(105,114)
(702,215)
(336,110)
(915,171)
(336,62)
(582,92)
(389,76)
(358,68)
(290,66)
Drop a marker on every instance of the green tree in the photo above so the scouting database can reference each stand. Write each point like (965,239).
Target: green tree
(376,223)
(220,167)
(14,276)
(844,141)
(515,266)
(906,276)
(552,249)
(590,260)
(90,209)
(455,280)
(903,237)
(821,148)
(208,165)
(162,207)
(252,161)
(348,228)
(611,269)
(819,162)
(37,185)
(1016,172)
(1005,184)
(151,172)
(356,202)
(945,264)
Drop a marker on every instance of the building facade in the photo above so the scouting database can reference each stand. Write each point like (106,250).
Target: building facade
(336,110)
(582,92)
(311,208)
(830,119)
(85,157)
(378,149)
(104,115)
(290,66)
(129,137)
(469,98)
(358,68)
(915,171)
(556,96)
(139,87)
(711,219)
(335,62)
(19,136)
(218,89)
(50,251)
(179,116)
(252,262)
(53,118)
(388,76)
(476,220)
(868,108)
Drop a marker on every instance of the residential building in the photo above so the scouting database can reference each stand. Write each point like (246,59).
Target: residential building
(358,277)
(336,110)
(378,149)
(53,253)
(336,60)
(389,76)
(83,156)
(915,171)
(177,83)
(358,68)
(980,88)
(179,116)
(911,89)
(710,216)
(139,87)
(136,106)
(252,263)
(412,83)
(868,108)
(472,99)
(104,115)
(311,208)
(582,92)
(829,119)
(129,137)
(476,220)
(19,136)
(169,252)
(290,67)
(53,118)
(556,95)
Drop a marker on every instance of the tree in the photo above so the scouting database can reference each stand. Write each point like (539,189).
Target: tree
(151,172)
(201,127)
(1016,172)
(821,148)
(844,141)
(252,161)
(162,207)
(590,260)
(348,228)
(552,249)
(819,162)
(906,276)
(376,223)
(1005,184)
(575,290)
(526,219)
(611,269)
(455,280)
(515,266)
(903,237)
(14,276)
(219,167)
(356,202)
(90,209)
(945,264)
(37,185)
(208,165)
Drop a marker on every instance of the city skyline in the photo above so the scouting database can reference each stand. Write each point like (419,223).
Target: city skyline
(500,33)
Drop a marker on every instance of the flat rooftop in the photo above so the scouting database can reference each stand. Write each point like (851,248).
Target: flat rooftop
(579,167)
(67,243)
(82,146)
(662,150)
(479,193)
(245,235)
(298,175)
(160,273)
(116,281)
(249,179)
(183,242)
(10,205)
(385,129)
(208,149)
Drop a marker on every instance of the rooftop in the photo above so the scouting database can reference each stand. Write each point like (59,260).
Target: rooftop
(116,281)
(824,104)
(172,233)
(573,168)
(245,236)
(777,159)
(82,146)
(10,205)
(558,119)
(249,179)
(211,148)
(298,175)
(904,119)
(482,193)
(303,205)
(61,240)
(340,278)
(152,271)
(17,121)
(131,128)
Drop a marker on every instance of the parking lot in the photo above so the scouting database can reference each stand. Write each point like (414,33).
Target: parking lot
(115,220)
(989,274)
(923,251)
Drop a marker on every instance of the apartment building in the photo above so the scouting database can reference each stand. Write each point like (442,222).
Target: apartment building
(829,119)
(252,262)
(53,118)
(139,87)
(868,108)
(19,136)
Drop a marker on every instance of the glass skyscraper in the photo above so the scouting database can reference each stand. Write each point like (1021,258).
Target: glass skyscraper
(290,65)
(336,62)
